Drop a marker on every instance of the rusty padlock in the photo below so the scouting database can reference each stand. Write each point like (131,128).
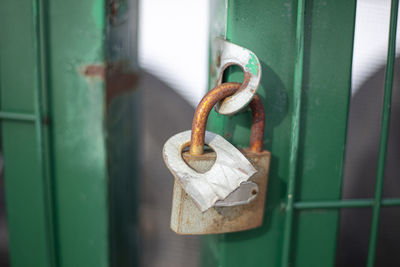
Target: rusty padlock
(243,208)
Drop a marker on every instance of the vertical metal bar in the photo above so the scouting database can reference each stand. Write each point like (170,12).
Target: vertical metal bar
(295,132)
(42,144)
(384,132)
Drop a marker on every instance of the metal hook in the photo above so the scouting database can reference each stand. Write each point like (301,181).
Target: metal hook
(226,54)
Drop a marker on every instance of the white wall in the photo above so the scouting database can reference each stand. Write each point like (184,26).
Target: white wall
(371,39)
(173,42)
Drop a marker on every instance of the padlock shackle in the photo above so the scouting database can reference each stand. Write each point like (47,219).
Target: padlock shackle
(204,108)
(257,124)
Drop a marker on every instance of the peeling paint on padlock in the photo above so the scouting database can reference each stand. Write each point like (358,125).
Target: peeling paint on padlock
(230,169)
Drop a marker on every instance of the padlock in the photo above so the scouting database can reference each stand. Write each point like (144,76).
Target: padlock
(241,209)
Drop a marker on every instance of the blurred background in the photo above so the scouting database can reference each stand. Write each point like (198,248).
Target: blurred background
(173,57)
(369,59)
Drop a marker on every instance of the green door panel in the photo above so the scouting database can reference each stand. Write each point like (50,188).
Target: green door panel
(55,156)
(268,28)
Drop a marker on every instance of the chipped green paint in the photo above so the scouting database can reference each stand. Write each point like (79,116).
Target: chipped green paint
(252,65)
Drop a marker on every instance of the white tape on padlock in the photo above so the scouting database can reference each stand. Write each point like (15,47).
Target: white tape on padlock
(230,169)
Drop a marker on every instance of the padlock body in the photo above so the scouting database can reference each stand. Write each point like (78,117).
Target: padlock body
(186,217)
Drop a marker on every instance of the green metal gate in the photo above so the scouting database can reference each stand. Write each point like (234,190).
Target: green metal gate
(65,176)
(306,52)
(67,72)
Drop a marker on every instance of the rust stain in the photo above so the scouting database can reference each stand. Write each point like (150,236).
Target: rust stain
(119,82)
(114,8)
(94,71)
(218,61)
(46,120)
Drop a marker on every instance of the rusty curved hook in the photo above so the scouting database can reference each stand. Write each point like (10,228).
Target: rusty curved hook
(204,108)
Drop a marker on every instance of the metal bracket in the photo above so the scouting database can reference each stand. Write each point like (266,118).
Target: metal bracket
(225,54)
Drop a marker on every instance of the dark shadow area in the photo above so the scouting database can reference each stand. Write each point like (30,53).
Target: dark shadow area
(165,113)
(4,245)
(360,175)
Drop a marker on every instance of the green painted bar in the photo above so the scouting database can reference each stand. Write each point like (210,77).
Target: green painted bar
(334,204)
(26,213)
(24,145)
(389,202)
(76,38)
(42,130)
(268,28)
(18,60)
(4,115)
(295,133)
(391,55)
(326,97)
(347,203)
